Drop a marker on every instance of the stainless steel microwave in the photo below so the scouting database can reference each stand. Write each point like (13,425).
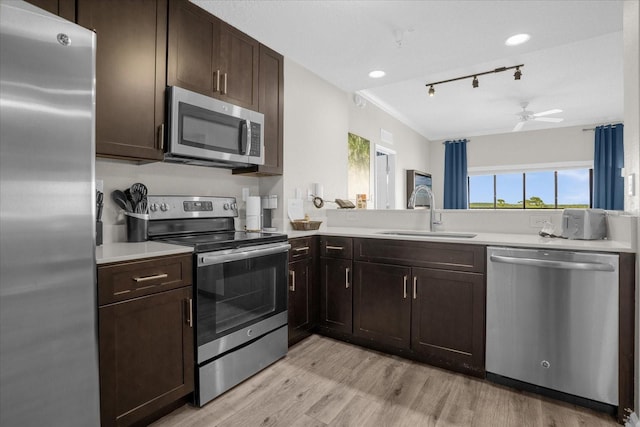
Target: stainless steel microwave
(209,132)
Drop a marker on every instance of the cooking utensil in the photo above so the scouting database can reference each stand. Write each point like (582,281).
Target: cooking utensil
(141,207)
(99,204)
(121,200)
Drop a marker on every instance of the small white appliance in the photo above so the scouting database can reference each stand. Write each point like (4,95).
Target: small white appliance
(584,224)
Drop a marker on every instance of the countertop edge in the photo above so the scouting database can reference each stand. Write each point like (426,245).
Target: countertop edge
(109,253)
(485,239)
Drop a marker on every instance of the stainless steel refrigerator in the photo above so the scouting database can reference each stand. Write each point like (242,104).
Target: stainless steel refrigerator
(48,320)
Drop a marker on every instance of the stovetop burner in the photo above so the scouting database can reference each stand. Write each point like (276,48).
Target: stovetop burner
(204,223)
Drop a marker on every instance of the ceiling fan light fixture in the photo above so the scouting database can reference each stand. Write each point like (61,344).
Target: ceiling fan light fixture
(517,39)
(432,91)
(518,74)
(475,81)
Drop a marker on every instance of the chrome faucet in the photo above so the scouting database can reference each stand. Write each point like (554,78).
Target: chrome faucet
(412,203)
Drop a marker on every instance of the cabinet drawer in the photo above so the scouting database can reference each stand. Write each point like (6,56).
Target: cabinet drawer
(336,247)
(448,256)
(123,281)
(301,248)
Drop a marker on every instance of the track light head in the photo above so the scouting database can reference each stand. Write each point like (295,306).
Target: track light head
(518,74)
(475,81)
(432,91)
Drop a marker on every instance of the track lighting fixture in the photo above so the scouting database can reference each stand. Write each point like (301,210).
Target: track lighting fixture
(517,76)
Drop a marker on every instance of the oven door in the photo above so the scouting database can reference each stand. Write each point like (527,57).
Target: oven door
(241,295)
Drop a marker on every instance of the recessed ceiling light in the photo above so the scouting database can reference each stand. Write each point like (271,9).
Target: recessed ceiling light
(517,39)
(376,74)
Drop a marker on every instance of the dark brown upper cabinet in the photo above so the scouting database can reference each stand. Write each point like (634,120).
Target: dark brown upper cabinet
(63,8)
(208,56)
(271,104)
(130,75)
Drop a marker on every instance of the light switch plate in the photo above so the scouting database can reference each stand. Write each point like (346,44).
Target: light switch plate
(631,184)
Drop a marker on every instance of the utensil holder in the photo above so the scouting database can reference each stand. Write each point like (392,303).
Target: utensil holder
(137,225)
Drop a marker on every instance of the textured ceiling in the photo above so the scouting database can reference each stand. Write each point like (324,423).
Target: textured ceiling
(572,62)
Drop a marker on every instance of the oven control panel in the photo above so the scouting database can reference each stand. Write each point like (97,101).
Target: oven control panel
(175,207)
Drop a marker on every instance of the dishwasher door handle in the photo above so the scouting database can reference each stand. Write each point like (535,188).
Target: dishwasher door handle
(566,265)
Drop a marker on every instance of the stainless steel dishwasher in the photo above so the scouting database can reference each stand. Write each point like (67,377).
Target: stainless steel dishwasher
(552,321)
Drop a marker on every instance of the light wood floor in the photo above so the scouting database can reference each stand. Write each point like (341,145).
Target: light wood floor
(323,382)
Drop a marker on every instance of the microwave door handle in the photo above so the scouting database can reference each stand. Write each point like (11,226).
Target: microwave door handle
(248,136)
(245,137)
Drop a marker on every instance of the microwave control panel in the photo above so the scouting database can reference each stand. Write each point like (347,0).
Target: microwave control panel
(255,139)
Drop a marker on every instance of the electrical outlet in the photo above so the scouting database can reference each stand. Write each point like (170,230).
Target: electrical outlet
(537,221)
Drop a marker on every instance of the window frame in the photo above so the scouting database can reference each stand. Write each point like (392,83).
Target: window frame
(524,187)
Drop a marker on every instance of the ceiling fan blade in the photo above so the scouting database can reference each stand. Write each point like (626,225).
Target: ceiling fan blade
(546,113)
(518,126)
(548,119)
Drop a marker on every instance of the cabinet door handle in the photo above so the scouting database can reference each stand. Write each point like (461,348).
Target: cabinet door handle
(216,81)
(302,249)
(161,136)
(189,302)
(346,277)
(292,274)
(415,287)
(224,90)
(147,278)
(405,288)
(334,248)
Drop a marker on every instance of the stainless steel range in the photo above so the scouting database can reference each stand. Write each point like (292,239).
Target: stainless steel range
(240,288)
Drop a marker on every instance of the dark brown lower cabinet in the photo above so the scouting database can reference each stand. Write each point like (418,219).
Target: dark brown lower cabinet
(146,355)
(300,288)
(382,303)
(336,294)
(448,318)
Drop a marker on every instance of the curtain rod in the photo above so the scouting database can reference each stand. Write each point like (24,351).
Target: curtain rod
(468,140)
(608,124)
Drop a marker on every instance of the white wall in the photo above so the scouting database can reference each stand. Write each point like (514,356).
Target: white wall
(561,145)
(631,35)
(412,149)
(317,118)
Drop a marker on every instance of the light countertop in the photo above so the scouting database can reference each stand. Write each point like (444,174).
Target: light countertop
(124,251)
(488,239)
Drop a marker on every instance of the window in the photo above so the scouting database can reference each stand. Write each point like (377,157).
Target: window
(532,190)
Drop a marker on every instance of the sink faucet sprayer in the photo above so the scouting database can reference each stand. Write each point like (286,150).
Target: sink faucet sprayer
(412,203)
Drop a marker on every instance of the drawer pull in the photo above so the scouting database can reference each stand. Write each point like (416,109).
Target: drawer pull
(302,249)
(346,277)
(292,273)
(334,248)
(154,277)
(405,287)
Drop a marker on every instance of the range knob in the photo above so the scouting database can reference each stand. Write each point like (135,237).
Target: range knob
(226,206)
(153,207)
(164,207)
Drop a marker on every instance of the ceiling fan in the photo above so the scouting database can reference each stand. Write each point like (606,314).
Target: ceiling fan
(526,116)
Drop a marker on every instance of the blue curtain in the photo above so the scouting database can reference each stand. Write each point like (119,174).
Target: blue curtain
(608,160)
(455,174)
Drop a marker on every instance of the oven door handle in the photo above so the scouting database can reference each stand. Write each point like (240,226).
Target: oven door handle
(231,255)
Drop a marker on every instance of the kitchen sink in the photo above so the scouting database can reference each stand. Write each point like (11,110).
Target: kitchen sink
(447,234)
